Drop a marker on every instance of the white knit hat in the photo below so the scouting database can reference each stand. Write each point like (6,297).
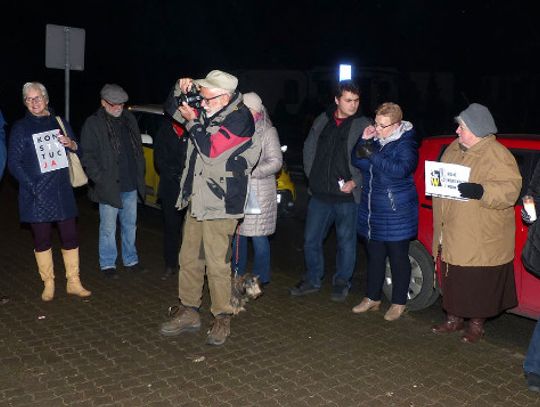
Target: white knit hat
(253,101)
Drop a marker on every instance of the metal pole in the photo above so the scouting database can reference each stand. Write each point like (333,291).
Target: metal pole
(66,73)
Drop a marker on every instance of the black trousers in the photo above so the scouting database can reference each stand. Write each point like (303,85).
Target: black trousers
(172,230)
(398,255)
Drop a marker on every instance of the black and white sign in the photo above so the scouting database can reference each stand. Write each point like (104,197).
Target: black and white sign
(50,152)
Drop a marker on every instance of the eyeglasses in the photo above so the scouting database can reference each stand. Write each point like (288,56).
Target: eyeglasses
(206,100)
(114,104)
(383,126)
(37,99)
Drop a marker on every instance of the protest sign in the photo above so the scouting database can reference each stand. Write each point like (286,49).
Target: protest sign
(50,152)
(442,179)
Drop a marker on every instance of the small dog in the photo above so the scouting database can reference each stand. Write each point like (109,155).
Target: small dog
(243,289)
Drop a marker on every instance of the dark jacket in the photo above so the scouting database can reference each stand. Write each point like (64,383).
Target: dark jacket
(170,147)
(389,207)
(43,197)
(348,132)
(101,161)
(3,152)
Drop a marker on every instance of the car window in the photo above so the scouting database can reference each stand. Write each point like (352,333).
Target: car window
(527,161)
(149,123)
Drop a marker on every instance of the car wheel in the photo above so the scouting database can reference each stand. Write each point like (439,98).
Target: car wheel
(423,290)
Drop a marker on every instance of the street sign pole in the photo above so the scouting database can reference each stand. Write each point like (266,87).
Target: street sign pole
(64,49)
(66,74)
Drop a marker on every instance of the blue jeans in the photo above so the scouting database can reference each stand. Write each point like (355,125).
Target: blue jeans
(128,229)
(261,256)
(532,360)
(320,217)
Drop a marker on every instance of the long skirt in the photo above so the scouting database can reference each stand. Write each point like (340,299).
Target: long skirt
(478,292)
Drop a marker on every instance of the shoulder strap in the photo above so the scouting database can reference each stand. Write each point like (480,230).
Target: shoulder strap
(61,123)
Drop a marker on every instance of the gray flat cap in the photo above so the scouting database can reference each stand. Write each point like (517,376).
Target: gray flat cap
(114,94)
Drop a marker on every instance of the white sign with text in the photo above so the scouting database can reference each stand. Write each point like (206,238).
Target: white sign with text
(442,179)
(50,152)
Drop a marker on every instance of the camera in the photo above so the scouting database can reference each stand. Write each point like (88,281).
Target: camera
(193,98)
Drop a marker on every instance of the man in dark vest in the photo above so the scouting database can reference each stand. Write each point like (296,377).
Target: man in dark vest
(334,185)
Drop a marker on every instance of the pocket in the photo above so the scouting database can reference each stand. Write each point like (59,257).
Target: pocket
(235,196)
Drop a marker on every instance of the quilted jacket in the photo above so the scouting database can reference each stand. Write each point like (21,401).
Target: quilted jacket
(263,183)
(388,210)
(46,197)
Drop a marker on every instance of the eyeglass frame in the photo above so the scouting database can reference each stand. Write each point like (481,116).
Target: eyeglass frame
(37,99)
(383,127)
(206,100)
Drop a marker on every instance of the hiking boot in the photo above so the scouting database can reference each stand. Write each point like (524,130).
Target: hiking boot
(220,330)
(303,288)
(186,319)
(339,293)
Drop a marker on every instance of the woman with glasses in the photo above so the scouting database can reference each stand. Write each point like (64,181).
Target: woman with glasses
(388,212)
(38,145)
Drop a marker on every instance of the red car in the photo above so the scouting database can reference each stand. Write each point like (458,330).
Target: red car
(424,287)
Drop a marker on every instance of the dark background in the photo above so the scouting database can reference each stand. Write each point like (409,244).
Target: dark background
(489,48)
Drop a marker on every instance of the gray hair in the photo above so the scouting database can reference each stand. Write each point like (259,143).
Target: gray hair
(35,85)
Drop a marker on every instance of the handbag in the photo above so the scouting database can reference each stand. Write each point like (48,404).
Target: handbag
(252,205)
(77,176)
(530,255)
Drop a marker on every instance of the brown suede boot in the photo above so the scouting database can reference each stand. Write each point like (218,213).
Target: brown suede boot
(452,324)
(474,331)
(44,262)
(71,263)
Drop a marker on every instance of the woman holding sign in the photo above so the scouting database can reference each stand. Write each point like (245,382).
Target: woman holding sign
(475,238)
(37,158)
(388,212)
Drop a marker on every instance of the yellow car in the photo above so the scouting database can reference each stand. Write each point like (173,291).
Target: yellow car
(286,191)
(150,119)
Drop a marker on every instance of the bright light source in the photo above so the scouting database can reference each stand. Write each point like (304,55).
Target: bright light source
(345,72)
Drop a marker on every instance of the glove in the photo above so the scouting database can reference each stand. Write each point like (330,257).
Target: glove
(471,190)
(365,150)
(526,217)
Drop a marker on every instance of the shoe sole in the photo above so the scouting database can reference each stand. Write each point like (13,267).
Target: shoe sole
(213,342)
(181,331)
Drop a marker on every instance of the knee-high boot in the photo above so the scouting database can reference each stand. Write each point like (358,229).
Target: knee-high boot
(44,262)
(71,262)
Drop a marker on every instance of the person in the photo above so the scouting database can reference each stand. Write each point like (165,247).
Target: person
(531,365)
(474,238)
(3,157)
(263,185)
(387,155)
(37,159)
(114,163)
(221,153)
(170,149)
(335,187)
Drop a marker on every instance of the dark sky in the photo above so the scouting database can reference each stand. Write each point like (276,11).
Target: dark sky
(146,45)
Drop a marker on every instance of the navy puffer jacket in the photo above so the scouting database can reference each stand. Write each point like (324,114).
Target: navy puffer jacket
(46,197)
(388,210)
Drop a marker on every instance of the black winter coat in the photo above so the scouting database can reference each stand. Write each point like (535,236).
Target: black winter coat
(101,162)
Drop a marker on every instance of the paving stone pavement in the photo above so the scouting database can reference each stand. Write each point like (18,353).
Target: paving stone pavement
(106,350)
